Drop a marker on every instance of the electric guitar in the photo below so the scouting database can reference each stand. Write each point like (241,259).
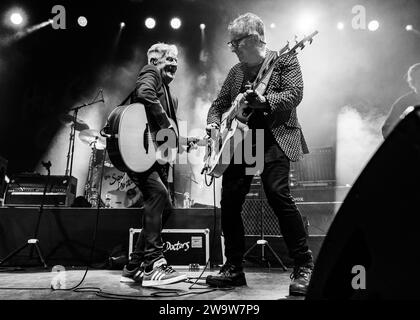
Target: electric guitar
(131,145)
(221,147)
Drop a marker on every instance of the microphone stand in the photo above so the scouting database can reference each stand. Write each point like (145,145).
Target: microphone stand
(262,241)
(34,240)
(70,153)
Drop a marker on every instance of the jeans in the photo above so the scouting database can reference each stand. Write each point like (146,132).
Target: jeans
(275,179)
(157,208)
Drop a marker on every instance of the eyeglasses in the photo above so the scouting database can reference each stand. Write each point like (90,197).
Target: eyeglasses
(234,44)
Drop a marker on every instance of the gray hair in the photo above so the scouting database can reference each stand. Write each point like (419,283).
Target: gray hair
(158,51)
(247,23)
(410,74)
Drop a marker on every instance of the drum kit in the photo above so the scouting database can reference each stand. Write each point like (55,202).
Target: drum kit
(117,189)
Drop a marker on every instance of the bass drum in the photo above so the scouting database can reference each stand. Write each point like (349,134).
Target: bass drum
(118,190)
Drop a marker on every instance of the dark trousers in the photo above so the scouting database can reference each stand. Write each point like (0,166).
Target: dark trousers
(157,209)
(275,179)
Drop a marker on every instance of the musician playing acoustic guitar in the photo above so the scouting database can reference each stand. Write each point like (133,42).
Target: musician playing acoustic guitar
(275,112)
(148,265)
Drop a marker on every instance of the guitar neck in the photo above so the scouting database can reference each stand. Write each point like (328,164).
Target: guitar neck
(260,84)
(184,141)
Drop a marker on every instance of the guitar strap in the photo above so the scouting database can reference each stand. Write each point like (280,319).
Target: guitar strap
(127,98)
(171,110)
(261,81)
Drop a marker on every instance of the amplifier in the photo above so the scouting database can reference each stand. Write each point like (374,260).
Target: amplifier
(317,218)
(318,207)
(320,194)
(302,194)
(28,189)
(256,191)
(316,169)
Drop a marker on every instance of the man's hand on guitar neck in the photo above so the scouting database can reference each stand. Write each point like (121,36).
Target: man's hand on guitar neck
(192,143)
(255,100)
(210,129)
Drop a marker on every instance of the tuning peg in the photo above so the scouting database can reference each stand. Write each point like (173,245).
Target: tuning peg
(310,41)
(296,41)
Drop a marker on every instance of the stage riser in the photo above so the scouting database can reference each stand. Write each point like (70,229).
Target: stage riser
(66,234)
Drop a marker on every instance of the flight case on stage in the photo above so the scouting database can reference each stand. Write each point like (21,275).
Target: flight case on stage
(182,247)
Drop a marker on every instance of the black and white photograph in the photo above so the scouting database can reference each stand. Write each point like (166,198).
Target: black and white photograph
(209,159)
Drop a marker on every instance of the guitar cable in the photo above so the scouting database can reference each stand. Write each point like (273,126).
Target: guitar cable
(75,288)
(158,294)
(162,293)
(95,232)
(214,235)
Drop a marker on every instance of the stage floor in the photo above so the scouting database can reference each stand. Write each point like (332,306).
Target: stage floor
(263,284)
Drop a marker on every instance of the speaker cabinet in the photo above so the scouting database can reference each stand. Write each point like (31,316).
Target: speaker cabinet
(317,205)
(377,227)
(28,190)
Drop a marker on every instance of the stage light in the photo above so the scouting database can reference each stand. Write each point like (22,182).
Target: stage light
(272,26)
(16,18)
(373,25)
(82,21)
(202,26)
(409,27)
(150,23)
(340,26)
(122,25)
(307,22)
(175,23)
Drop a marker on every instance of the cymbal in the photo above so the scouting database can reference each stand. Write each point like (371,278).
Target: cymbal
(91,136)
(79,124)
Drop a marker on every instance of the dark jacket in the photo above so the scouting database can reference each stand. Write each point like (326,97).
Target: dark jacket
(151,93)
(284,93)
(397,109)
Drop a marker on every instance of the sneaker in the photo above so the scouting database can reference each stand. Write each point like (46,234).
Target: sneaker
(228,276)
(135,275)
(162,274)
(300,281)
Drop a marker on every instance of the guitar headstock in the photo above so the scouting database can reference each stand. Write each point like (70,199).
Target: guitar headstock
(302,43)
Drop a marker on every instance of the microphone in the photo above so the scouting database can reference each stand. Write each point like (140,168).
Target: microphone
(46,165)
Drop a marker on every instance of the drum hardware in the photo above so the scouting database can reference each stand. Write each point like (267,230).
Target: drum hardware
(188,202)
(118,190)
(77,125)
(93,139)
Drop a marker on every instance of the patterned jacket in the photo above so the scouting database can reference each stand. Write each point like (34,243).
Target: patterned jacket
(284,93)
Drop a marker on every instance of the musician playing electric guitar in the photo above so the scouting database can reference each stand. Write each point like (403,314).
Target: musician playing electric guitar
(148,265)
(274,111)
